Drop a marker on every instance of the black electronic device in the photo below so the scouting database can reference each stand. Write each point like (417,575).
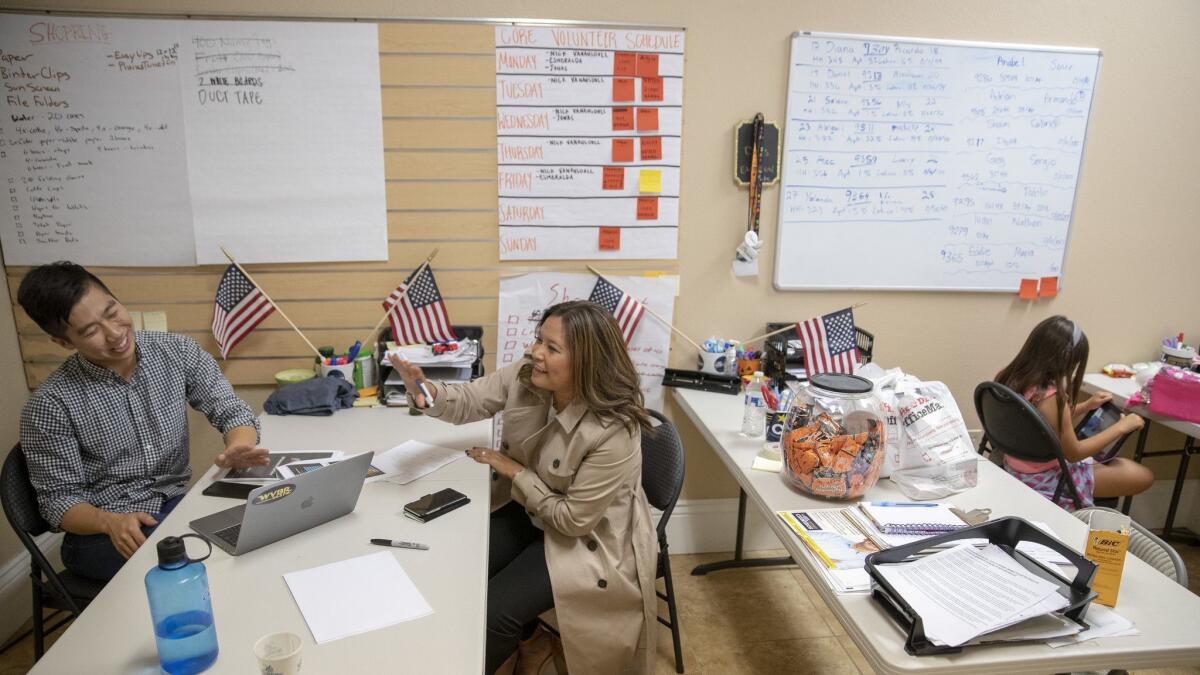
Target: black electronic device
(436,504)
(783,354)
(695,379)
(1098,420)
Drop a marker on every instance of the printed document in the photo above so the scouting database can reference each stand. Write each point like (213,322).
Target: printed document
(965,592)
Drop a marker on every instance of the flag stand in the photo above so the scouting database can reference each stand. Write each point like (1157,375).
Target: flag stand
(655,315)
(402,295)
(277,308)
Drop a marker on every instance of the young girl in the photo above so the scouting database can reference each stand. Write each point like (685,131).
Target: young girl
(1048,371)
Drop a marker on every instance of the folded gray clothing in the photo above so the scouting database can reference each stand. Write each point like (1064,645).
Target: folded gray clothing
(320,396)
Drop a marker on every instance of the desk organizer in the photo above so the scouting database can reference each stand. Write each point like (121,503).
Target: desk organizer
(1005,533)
(694,379)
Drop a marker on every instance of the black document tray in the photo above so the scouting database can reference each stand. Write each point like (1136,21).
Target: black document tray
(695,379)
(1005,533)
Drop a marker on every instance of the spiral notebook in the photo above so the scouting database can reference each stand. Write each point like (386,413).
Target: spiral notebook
(917,518)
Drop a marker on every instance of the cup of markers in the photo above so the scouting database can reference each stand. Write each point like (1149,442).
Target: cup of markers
(340,366)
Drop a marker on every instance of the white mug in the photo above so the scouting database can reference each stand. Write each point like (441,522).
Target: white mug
(278,653)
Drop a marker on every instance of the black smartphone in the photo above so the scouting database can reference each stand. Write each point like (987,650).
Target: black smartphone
(433,505)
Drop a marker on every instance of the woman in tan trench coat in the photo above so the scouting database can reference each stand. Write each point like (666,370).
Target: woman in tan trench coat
(571,527)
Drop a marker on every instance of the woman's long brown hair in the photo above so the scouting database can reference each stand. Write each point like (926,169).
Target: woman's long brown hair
(602,374)
(1051,355)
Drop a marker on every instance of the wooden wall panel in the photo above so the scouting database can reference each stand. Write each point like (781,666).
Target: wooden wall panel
(439,134)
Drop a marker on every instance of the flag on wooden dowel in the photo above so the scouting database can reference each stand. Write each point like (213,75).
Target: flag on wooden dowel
(828,341)
(239,307)
(416,310)
(625,308)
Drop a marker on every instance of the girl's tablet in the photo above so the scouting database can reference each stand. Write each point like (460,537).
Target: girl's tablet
(1096,421)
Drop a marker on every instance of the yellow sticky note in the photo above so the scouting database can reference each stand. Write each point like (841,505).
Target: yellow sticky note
(154,320)
(650,180)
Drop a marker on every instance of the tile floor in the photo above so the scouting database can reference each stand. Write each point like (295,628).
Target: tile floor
(764,621)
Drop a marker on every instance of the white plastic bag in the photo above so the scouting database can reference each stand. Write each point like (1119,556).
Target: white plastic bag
(937,458)
(885,396)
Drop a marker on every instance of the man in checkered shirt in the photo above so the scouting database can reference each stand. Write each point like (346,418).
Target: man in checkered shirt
(106,435)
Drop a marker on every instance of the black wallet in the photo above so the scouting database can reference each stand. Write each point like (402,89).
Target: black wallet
(433,505)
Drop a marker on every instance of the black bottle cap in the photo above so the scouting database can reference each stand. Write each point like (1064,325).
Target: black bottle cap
(171,552)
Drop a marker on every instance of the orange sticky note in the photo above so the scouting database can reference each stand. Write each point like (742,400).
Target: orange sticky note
(610,239)
(1028,289)
(651,147)
(622,149)
(647,119)
(652,89)
(624,64)
(622,119)
(647,65)
(1048,287)
(623,89)
(614,178)
(647,208)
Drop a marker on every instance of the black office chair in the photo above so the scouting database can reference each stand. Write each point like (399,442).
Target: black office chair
(1012,426)
(56,590)
(662,479)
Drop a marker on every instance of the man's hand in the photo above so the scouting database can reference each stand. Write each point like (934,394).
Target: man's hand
(242,456)
(125,530)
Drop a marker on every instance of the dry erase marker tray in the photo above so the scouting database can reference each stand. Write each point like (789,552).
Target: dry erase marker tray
(1005,533)
(694,379)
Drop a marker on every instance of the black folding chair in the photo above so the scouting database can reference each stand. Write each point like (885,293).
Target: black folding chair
(1012,426)
(56,590)
(662,480)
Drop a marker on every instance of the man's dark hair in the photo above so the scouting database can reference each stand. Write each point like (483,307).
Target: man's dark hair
(48,293)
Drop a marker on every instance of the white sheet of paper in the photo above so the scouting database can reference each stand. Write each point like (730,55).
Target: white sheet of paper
(964,592)
(1104,622)
(284,140)
(355,596)
(412,459)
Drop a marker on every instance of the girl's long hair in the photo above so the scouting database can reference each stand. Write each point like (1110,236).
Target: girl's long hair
(602,374)
(1055,353)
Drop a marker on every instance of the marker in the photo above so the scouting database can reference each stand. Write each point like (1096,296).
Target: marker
(425,390)
(396,543)
(927,505)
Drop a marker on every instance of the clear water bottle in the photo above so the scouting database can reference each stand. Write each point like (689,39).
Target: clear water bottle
(754,416)
(181,609)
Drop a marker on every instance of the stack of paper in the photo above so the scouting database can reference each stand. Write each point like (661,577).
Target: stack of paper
(411,460)
(966,593)
(836,544)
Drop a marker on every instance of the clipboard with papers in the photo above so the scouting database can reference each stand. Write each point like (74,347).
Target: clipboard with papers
(1071,597)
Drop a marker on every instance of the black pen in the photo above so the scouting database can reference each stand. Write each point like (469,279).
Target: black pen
(396,543)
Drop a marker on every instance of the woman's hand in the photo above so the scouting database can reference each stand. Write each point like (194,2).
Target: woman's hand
(411,375)
(1130,423)
(503,464)
(1098,399)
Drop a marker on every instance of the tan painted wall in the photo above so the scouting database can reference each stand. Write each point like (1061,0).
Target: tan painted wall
(1131,272)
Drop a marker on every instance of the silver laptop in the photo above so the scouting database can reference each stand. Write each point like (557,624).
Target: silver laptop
(279,510)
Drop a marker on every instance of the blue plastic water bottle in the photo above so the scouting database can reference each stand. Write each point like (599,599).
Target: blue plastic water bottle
(181,609)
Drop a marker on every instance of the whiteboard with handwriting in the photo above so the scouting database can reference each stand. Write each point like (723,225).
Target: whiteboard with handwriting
(146,142)
(916,164)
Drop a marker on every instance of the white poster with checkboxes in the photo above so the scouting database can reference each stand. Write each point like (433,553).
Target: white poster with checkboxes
(524,297)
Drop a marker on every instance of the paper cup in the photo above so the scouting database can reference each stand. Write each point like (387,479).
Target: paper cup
(278,654)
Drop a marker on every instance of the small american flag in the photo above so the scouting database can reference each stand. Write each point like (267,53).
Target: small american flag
(239,307)
(420,316)
(625,308)
(828,342)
